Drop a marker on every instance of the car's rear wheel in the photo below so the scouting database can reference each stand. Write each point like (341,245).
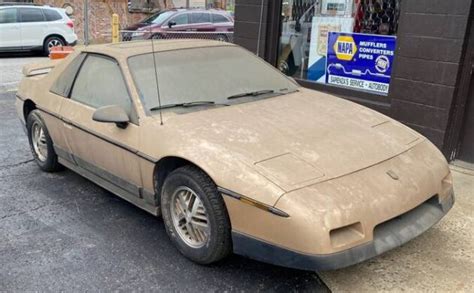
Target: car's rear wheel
(195,216)
(51,42)
(222,38)
(41,144)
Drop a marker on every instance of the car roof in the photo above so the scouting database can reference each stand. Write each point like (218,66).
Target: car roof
(127,49)
(2,5)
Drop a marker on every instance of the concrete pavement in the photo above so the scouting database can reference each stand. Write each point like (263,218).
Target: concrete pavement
(10,69)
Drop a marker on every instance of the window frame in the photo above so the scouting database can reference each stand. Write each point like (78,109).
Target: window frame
(20,16)
(134,116)
(200,12)
(17,20)
(172,18)
(52,11)
(221,15)
(73,80)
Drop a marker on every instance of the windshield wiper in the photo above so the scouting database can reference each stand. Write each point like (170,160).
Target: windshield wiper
(251,94)
(184,105)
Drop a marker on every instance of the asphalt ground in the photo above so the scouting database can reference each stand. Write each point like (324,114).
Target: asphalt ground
(61,232)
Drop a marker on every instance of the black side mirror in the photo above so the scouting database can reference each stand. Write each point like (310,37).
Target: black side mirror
(112,114)
(171,24)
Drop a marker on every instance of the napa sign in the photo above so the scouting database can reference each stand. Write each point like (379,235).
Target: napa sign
(360,61)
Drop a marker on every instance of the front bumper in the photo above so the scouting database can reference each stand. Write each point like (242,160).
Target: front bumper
(387,236)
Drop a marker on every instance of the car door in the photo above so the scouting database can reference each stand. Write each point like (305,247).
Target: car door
(104,149)
(178,23)
(10,33)
(33,26)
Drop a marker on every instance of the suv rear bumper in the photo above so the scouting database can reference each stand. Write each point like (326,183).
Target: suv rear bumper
(387,236)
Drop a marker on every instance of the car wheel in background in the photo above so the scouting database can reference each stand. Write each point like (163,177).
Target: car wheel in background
(222,38)
(52,42)
(195,216)
(41,144)
(288,66)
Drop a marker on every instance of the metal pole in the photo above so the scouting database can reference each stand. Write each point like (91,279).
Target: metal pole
(260,29)
(86,22)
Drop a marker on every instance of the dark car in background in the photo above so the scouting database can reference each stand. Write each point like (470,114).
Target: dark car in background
(183,23)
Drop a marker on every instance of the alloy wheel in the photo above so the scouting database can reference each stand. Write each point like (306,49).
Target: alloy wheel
(54,43)
(38,138)
(189,217)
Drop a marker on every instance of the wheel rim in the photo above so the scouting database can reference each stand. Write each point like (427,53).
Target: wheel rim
(54,43)
(189,217)
(221,39)
(284,67)
(38,138)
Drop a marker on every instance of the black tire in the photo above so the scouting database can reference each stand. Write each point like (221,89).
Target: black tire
(222,38)
(288,66)
(218,244)
(50,161)
(54,40)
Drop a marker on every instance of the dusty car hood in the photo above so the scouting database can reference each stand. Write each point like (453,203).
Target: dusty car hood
(298,139)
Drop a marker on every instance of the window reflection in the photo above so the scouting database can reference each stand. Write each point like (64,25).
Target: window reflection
(306,24)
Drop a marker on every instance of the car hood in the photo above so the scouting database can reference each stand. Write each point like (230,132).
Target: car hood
(294,140)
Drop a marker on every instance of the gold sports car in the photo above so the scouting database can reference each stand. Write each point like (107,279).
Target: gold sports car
(235,156)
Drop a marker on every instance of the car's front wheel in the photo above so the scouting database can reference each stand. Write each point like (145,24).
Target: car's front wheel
(41,144)
(195,216)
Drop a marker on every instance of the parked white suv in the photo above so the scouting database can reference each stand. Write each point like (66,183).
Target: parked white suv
(27,28)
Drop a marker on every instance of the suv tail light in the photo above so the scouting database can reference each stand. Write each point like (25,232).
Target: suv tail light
(70,24)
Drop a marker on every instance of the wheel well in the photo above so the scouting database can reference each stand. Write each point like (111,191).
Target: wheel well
(28,106)
(54,35)
(164,167)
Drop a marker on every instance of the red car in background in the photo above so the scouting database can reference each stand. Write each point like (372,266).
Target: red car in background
(183,23)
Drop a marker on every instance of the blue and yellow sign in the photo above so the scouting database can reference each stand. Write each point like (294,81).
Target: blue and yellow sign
(345,48)
(360,61)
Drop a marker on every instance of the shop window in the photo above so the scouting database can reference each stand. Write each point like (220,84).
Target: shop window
(348,43)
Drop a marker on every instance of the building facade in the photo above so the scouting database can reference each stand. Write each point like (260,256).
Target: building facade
(409,59)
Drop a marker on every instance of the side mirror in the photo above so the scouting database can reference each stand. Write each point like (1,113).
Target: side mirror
(112,114)
(171,24)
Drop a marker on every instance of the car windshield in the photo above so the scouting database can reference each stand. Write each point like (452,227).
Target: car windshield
(158,18)
(217,75)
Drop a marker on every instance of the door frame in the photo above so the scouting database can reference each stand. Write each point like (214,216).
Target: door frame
(465,84)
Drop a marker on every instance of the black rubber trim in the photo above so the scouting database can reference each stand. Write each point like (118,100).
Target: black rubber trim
(95,134)
(255,203)
(387,236)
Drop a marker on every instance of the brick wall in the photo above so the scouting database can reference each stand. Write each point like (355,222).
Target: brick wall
(100,16)
(247,24)
(430,44)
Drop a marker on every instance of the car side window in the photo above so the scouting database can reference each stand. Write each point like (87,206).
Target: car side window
(8,15)
(181,19)
(201,17)
(100,83)
(52,15)
(31,15)
(62,86)
(217,18)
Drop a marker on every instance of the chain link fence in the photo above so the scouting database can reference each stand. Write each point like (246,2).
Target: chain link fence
(126,36)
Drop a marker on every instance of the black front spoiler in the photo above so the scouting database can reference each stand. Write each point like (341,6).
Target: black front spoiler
(387,236)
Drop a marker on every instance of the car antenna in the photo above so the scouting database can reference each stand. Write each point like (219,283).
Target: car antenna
(156,75)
